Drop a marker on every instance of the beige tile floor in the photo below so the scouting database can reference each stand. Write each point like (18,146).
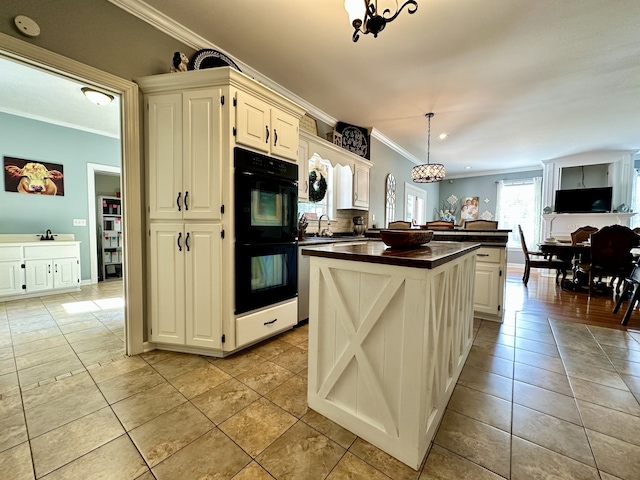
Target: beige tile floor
(537,399)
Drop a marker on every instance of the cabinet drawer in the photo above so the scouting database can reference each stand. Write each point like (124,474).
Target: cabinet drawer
(488,255)
(10,254)
(265,323)
(49,251)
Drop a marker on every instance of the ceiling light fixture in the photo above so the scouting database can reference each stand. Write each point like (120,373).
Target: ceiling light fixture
(364,17)
(429,172)
(99,98)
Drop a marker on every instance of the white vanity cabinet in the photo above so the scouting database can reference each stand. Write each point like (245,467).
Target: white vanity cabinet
(32,268)
(11,270)
(265,127)
(488,299)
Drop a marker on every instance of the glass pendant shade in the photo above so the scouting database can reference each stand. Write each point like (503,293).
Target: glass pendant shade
(428,173)
(356,9)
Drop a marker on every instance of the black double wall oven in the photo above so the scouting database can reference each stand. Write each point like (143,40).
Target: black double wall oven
(266,210)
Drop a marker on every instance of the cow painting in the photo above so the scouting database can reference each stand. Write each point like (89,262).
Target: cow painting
(24,176)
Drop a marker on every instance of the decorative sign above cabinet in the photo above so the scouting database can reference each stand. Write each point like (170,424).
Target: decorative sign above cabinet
(355,139)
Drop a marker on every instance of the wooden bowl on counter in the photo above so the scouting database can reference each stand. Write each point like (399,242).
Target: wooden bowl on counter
(406,238)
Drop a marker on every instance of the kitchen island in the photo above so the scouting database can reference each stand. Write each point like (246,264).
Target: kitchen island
(389,332)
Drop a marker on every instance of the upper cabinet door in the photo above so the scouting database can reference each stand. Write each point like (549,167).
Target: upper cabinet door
(202,154)
(284,135)
(252,122)
(164,153)
(361,187)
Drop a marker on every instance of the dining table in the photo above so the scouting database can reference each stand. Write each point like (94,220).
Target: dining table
(574,254)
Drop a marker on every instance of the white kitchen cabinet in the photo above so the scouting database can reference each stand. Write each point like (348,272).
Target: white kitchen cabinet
(303,171)
(353,187)
(265,127)
(184,145)
(185,293)
(193,122)
(488,296)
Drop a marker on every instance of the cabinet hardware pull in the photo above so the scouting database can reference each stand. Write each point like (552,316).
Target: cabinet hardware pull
(482,254)
(48,268)
(179,237)
(186,204)
(355,195)
(306,186)
(178,201)
(267,140)
(56,268)
(272,321)
(275,137)
(186,242)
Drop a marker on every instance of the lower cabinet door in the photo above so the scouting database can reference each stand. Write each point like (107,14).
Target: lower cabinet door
(11,278)
(65,272)
(39,275)
(486,297)
(203,284)
(167,290)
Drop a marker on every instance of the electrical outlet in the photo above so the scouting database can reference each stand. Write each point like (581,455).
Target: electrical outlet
(79,222)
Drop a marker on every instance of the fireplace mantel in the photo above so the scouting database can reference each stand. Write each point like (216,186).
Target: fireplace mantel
(561,225)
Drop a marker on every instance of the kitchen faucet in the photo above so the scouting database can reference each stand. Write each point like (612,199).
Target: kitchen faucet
(321,234)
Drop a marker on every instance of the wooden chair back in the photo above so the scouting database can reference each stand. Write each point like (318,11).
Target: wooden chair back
(582,234)
(523,243)
(440,225)
(399,225)
(481,225)
(611,249)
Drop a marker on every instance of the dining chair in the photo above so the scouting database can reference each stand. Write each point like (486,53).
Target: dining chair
(399,225)
(440,225)
(632,292)
(610,254)
(537,259)
(582,234)
(481,224)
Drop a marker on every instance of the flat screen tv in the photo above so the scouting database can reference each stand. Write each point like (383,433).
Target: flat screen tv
(584,200)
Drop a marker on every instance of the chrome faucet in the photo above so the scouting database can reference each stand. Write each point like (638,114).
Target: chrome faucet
(321,234)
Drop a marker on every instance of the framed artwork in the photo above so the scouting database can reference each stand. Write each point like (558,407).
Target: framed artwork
(469,208)
(355,139)
(31,177)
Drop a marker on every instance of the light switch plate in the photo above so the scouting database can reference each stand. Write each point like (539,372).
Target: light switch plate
(79,222)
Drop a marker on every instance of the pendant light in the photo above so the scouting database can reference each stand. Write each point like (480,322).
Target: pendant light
(365,17)
(429,172)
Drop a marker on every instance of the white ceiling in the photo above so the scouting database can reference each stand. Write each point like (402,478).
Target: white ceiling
(513,82)
(34,93)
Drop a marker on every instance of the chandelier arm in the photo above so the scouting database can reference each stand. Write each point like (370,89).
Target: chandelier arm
(410,10)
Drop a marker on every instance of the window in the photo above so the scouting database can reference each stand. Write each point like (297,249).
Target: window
(519,204)
(324,206)
(415,204)
(634,222)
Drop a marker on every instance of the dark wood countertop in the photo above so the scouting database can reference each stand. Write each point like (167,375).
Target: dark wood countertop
(430,255)
(489,238)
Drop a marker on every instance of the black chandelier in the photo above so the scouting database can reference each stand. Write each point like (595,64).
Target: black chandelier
(428,172)
(364,16)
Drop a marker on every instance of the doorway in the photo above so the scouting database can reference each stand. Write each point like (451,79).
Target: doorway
(133,240)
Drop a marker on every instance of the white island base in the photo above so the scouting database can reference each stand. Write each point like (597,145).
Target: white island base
(387,343)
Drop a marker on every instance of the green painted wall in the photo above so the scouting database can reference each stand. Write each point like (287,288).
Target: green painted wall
(43,142)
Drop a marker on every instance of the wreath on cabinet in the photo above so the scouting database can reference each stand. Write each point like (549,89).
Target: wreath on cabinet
(317,186)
